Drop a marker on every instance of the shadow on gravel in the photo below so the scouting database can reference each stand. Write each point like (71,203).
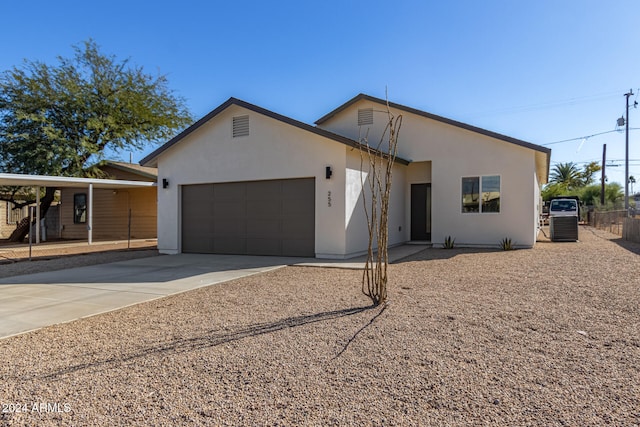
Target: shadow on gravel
(432,254)
(215,338)
(630,246)
(625,244)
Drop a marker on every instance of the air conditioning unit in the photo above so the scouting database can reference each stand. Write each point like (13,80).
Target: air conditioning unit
(563,220)
(564,228)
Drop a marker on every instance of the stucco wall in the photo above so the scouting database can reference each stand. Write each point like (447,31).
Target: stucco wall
(355,218)
(272,150)
(454,153)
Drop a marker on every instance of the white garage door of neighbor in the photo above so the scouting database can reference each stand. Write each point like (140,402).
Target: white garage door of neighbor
(274,217)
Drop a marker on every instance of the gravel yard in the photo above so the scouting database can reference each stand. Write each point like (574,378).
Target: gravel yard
(548,336)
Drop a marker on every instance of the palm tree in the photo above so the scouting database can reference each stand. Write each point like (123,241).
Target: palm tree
(566,174)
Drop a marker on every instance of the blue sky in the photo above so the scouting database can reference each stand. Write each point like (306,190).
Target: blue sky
(542,71)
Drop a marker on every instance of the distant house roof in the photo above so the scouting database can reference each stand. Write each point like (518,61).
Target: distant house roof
(143,171)
(151,159)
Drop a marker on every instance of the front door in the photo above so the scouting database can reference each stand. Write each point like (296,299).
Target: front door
(421,212)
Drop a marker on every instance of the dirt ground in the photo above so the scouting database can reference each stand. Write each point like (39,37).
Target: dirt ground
(50,256)
(548,336)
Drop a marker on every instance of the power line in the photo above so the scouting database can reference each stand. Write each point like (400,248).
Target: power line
(549,104)
(585,137)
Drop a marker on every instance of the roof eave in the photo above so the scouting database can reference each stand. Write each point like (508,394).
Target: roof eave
(152,159)
(435,117)
(135,171)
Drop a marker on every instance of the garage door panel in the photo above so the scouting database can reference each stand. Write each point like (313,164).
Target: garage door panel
(194,242)
(197,192)
(296,229)
(229,191)
(294,207)
(228,227)
(274,217)
(264,228)
(264,190)
(263,208)
(295,247)
(295,188)
(229,209)
(229,245)
(264,246)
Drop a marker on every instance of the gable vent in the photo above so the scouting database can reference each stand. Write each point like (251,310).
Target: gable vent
(240,126)
(365,116)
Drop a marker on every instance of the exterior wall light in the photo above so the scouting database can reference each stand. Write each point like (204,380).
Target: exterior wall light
(328,172)
(165,183)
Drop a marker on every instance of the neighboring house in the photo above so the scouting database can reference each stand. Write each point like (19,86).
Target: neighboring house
(9,217)
(112,207)
(245,180)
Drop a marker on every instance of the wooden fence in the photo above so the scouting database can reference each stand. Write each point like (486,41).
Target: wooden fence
(631,230)
(611,221)
(616,222)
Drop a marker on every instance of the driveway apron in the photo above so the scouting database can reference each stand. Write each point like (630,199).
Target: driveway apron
(33,301)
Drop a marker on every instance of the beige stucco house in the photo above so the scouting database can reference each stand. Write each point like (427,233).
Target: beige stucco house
(8,218)
(245,180)
(112,207)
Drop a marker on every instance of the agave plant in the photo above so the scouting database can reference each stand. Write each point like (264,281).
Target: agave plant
(506,244)
(449,242)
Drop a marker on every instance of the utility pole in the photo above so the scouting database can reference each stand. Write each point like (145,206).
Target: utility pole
(604,161)
(626,161)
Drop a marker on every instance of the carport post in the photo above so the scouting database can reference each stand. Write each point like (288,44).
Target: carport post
(37,215)
(90,216)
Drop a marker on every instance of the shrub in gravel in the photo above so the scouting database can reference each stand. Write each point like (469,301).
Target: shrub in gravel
(506,244)
(449,242)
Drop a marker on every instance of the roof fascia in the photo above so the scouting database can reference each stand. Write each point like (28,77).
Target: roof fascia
(441,119)
(134,171)
(152,158)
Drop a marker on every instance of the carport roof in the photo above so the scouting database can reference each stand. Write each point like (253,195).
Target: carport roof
(20,180)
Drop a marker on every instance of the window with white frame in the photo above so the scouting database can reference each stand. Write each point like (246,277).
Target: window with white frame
(481,194)
(14,215)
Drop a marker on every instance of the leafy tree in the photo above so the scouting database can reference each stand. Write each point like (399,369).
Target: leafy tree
(567,180)
(555,189)
(587,173)
(614,194)
(590,195)
(59,120)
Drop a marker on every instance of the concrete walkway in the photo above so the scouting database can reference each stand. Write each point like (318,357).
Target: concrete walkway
(37,300)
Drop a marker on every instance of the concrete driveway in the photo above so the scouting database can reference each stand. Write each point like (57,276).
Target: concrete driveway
(33,301)
(36,300)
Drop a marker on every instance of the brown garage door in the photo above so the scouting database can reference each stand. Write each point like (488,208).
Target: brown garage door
(275,217)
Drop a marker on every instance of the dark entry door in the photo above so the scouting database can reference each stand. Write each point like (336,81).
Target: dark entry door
(421,212)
